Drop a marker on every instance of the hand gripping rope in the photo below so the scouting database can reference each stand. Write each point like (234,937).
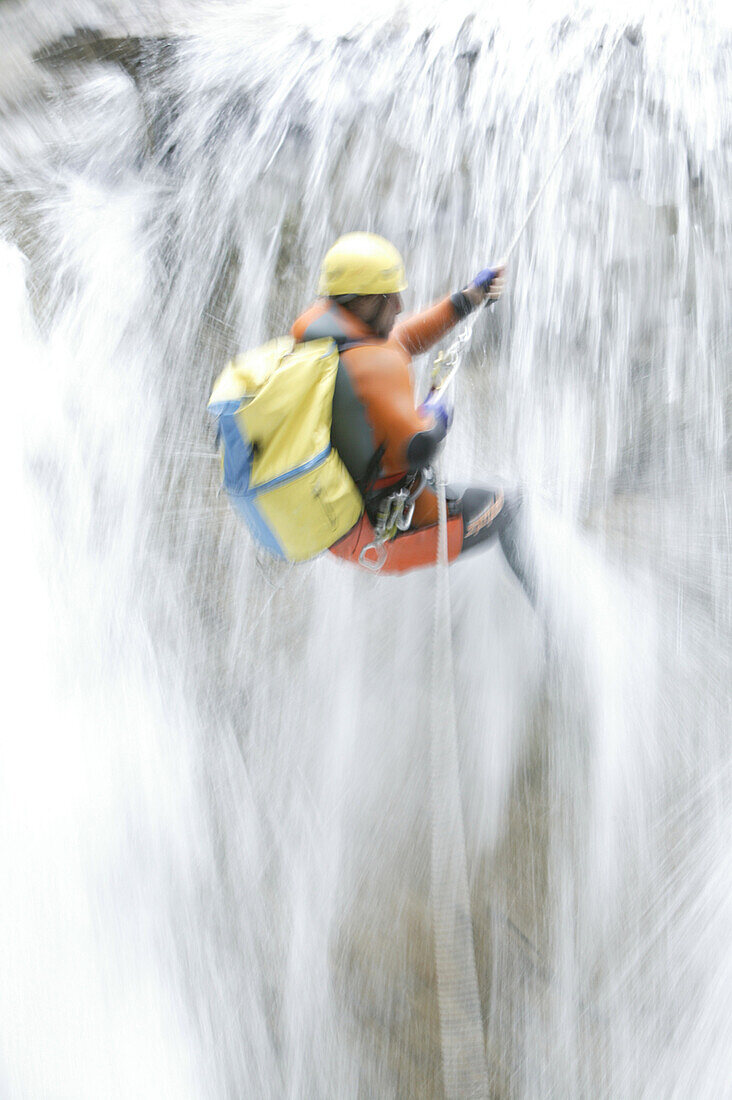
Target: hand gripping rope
(464,1065)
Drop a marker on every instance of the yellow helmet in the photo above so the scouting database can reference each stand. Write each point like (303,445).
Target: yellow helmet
(362,263)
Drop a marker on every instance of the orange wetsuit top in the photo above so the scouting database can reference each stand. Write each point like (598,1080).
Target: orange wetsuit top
(377,430)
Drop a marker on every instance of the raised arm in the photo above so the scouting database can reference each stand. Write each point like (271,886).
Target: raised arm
(419,332)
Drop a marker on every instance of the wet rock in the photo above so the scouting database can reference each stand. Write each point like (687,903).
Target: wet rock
(147,60)
(140,57)
(634,35)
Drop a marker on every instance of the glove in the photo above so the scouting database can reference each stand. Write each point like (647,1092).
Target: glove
(485,277)
(438,405)
(490,282)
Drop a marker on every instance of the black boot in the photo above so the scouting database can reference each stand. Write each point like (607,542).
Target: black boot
(513,538)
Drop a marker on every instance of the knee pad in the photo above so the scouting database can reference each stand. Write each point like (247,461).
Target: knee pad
(482,511)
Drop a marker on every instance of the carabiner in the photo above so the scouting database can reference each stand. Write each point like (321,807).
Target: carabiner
(373,565)
(404,519)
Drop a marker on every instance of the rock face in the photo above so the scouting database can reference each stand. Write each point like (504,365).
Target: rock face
(128,34)
(142,57)
(148,61)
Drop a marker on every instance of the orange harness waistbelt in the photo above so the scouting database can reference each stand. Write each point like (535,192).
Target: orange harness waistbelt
(411,549)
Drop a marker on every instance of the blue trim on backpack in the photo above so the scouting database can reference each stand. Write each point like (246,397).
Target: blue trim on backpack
(291,475)
(237,449)
(246,505)
(238,472)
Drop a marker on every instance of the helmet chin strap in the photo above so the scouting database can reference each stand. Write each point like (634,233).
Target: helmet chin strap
(347,301)
(381,302)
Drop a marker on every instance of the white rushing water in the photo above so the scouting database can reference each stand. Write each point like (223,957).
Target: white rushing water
(214,781)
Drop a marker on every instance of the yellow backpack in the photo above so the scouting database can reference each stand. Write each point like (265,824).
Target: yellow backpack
(273,407)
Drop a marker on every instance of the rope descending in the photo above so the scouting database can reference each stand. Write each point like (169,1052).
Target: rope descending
(464,1065)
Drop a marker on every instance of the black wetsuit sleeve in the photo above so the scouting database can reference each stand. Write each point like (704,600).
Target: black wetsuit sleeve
(423,446)
(350,431)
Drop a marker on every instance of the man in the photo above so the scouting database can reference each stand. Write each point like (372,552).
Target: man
(384,441)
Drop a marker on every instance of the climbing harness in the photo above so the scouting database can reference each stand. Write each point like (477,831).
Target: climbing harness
(464,1065)
(394,514)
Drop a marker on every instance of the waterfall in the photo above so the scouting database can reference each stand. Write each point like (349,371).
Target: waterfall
(214,770)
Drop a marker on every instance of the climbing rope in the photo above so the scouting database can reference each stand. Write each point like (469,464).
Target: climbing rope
(464,1064)
(464,1067)
(448,362)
